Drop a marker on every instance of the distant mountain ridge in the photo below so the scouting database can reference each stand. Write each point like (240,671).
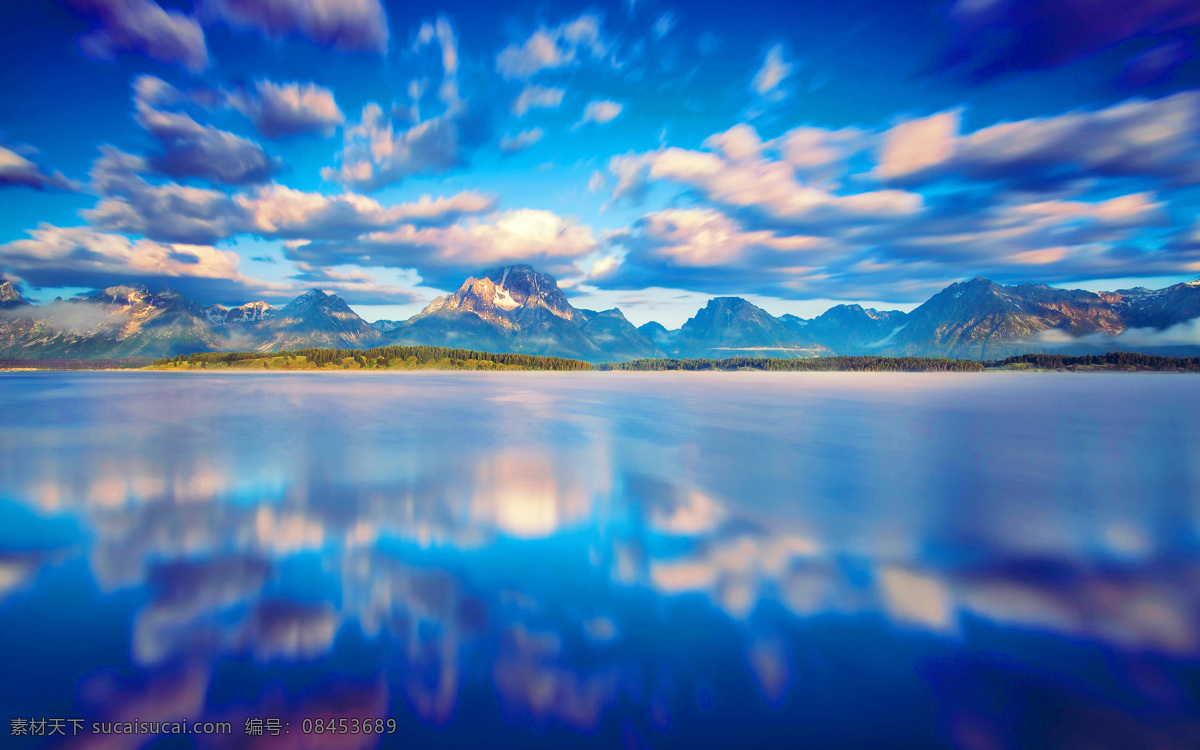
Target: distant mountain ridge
(519,310)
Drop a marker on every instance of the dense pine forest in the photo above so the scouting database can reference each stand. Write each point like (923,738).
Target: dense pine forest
(1123,361)
(128,363)
(380,358)
(1112,361)
(815,364)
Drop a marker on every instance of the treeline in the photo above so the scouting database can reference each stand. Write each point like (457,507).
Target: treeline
(1112,360)
(128,363)
(436,357)
(816,364)
(379,358)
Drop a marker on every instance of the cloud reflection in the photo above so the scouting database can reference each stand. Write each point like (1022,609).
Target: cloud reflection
(540,554)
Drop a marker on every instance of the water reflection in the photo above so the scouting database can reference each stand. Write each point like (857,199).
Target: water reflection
(653,561)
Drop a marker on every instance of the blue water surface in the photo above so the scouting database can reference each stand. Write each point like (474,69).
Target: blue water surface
(610,560)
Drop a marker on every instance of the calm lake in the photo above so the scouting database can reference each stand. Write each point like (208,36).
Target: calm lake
(615,560)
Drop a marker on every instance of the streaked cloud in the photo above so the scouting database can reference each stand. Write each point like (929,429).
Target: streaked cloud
(742,174)
(537,97)
(600,111)
(171,212)
(444,256)
(774,71)
(190,149)
(1156,138)
(145,27)
(376,153)
(550,48)
(281,110)
(16,170)
(1006,37)
(80,256)
(351,25)
(510,144)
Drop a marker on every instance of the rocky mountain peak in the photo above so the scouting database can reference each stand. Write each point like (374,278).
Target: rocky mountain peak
(121,294)
(844,312)
(312,294)
(251,312)
(315,301)
(10,297)
(721,310)
(500,295)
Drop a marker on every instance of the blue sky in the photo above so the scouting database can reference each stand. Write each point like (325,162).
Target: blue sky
(649,155)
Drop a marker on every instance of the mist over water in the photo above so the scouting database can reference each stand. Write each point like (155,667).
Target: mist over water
(1000,560)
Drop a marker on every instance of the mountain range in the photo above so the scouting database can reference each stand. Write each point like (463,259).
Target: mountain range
(517,309)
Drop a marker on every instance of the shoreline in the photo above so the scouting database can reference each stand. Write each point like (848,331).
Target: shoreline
(401,371)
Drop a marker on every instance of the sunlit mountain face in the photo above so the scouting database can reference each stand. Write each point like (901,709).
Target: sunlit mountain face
(584,560)
(647,155)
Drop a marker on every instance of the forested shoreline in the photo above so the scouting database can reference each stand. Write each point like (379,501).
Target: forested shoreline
(444,358)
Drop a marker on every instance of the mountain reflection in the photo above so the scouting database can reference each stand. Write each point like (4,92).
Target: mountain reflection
(617,558)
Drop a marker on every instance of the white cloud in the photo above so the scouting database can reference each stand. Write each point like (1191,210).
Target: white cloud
(775,69)
(664,24)
(53,256)
(706,237)
(190,149)
(741,173)
(280,110)
(156,92)
(444,255)
(443,33)
(549,48)
(280,211)
(520,141)
(534,97)
(178,213)
(17,170)
(917,145)
(341,24)
(600,111)
(1138,138)
(510,235)
(376,154)
(597,182)
(145,27)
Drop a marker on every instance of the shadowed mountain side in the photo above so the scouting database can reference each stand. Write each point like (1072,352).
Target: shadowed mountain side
(847,329)
(732,327)
(316,319)
(610,331)
(980,319)
(460,330)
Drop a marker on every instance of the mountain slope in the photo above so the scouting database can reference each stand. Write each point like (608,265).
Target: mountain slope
(516,309)
(613,334)
(10,298)
(120,321)
(847,329)
(732,327)
(1162,308)
(657,334)
(980,319)
(312,319)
